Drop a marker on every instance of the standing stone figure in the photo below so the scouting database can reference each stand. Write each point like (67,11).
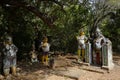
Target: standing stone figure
(102,51)
(98,43)
(81,45)
(9,57)
(45,48)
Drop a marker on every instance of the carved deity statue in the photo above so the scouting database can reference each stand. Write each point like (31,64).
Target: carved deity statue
(102,54)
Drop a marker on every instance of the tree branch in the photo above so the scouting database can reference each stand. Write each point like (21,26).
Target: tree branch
(48,20)
(56,2)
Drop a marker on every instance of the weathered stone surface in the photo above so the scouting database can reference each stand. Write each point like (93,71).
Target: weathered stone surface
(1,77)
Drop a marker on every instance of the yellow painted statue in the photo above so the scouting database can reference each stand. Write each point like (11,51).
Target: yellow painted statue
(81,46)
(45,48)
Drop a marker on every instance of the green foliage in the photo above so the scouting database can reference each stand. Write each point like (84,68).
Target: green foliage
(111,29)
(68,26)
(21,23)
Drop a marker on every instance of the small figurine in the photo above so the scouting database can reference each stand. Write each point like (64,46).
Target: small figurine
(81,45)
(9,59)
(45,48)
(33,55)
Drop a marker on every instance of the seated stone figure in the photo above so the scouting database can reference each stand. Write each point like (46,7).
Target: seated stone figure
(33,56)
(9,59)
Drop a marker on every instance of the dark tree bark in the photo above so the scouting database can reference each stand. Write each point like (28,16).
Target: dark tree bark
(19,4)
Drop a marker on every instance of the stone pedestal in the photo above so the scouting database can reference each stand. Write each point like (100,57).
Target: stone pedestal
(107,61)
(88,57)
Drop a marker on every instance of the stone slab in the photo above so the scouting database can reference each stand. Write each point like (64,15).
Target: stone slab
(72,72)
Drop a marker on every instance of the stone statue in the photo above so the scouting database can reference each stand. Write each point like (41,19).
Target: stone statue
(9,57)
(45,48)
(98,42)
(81,45)
(102,52)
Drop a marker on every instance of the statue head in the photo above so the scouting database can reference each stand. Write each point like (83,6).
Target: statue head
(82,33)
(98,33)
(45,39)
(8,40)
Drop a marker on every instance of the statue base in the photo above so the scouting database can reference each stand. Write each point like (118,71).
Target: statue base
(108,67)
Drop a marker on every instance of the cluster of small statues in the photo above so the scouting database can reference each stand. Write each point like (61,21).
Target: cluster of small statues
(9,54)
(44,48)
(100,52)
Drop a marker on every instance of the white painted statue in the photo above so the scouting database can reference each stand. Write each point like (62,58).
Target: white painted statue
(102,50)
(81,45)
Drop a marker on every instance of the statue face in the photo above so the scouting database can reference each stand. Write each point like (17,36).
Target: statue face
(45,39)
(8,42)
(97,34)
(82,33)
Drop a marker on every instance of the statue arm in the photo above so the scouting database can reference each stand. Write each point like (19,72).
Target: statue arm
(86,39)
(15,48)
(5,49)
(76,37)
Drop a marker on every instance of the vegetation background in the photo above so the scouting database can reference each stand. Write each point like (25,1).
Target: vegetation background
(60,20)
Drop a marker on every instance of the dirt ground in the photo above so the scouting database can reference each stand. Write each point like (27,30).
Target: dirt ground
(66,69)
